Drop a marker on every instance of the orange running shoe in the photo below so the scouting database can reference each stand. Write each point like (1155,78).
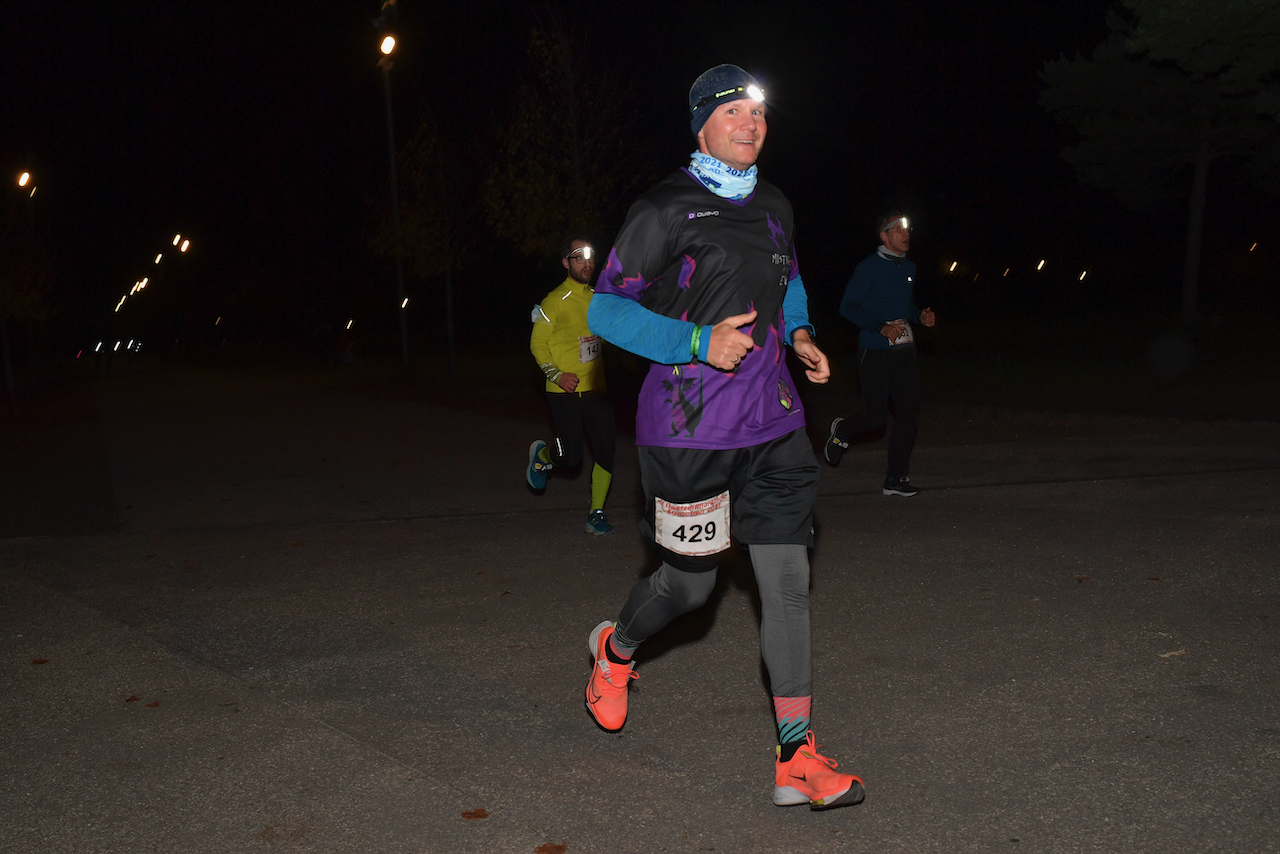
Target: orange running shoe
(810,778)
(606,699)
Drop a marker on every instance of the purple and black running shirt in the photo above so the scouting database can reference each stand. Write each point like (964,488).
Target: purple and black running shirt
(685,253)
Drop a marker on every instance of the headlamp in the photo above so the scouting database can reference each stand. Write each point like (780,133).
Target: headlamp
(582,253)
(751,91)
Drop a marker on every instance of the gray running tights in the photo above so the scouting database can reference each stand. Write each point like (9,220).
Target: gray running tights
(782,574)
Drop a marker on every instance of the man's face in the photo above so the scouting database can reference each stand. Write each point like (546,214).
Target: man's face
(580,268)
(735,133)
(896,238)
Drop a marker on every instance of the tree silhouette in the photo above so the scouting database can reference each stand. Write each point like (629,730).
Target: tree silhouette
(1176,87)
(562,164)
(26,281)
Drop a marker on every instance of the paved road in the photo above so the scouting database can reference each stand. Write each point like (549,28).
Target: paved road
(267,615)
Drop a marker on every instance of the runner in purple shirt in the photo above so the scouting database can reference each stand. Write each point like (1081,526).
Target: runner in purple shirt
(703,282)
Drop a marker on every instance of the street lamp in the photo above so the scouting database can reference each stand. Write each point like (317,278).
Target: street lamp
(387,47)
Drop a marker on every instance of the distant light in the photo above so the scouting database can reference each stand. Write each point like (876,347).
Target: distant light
(133,290)
(78,352)
(1082,275)
(122,299)
(23,179)
(98,349)
(32,193)
(1006,272)
(349,322)
(1253,247)
(405,303)
(388,45)
(755,93)
(1040,266)
(953,266)
(158,257)
(144,281)
(117,347)
(219,320)
(130,345)
(176,238)
(184,246)
(975,277)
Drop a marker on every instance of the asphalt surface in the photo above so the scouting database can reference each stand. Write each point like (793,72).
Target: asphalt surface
(247,613)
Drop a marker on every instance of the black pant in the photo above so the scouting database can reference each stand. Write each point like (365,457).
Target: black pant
(885,375)
(570,413)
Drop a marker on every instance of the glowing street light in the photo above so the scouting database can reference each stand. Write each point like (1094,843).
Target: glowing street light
(1082,275)
(176,238)
(1253,247)
(183,247)
(158,257)
(23,179)
(1040,266)
(953,266)
(384,23)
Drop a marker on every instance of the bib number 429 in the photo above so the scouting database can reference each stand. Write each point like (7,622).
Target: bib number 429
(694,529)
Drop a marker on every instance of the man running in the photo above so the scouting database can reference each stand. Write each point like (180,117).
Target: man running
(703,282)
(570,357)
(879,299)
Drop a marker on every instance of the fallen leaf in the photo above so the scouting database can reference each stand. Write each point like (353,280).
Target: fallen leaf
(39,661)
(152,704)
(1081,579)
(473,815)
(1175,653)
(551,848)
(132,699)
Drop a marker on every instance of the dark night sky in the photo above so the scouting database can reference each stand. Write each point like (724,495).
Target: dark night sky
(259,129)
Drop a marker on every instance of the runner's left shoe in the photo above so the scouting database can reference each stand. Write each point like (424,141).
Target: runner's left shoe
(536,474)
(811,778)
(597,524)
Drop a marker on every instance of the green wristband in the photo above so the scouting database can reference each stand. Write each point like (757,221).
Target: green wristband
(697,339)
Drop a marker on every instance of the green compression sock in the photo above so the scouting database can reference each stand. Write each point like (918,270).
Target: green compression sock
(600,480)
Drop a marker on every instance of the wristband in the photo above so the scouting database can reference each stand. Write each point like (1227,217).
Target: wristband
(697,339)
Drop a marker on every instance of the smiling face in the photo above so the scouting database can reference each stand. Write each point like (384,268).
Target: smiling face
(734,133)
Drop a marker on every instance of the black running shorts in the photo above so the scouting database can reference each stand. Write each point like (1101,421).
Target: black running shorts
(771,491)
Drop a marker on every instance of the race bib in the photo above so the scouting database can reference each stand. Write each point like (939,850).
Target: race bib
(696,529)
(588,348)
(907,337)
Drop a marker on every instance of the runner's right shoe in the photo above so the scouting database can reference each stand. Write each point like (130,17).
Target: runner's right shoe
(811,778)
(835,447)
(606,694)
(536,474)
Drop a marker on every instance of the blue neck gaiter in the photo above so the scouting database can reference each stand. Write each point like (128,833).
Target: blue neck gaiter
(726,182)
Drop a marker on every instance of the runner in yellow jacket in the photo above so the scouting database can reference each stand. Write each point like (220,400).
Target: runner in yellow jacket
(571,358)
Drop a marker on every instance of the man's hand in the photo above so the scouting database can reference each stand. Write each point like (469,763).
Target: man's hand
(728,345)
(927,317)
(819,370)
(567,381)
(894,329)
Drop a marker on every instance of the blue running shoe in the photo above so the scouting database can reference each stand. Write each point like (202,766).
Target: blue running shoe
(536,474)
(597,524)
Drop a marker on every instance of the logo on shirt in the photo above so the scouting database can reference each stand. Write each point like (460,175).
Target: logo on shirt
(776,234)
(701,214)
(781,259)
